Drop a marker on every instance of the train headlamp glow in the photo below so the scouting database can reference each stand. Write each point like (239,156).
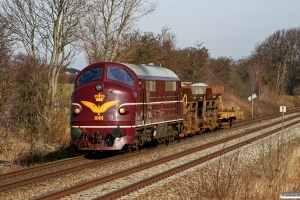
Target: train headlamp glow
(77,110)
(122,110)
(99,87)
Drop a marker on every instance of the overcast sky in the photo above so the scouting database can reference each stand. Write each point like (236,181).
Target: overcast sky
(228,28)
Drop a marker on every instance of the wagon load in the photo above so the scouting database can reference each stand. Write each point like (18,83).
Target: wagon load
(192,95)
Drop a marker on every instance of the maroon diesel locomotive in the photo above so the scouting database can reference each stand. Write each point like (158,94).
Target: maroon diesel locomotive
(118,106)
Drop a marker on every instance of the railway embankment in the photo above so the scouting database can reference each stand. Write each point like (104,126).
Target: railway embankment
(246,172)
(261,170)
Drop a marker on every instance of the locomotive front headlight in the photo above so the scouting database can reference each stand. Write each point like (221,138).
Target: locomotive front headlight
(99,87)
(77,110)
(123,110)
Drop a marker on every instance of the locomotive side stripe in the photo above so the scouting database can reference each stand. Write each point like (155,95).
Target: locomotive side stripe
(103,126)
(125,104)
(159,122)
(151,103)
(125,126)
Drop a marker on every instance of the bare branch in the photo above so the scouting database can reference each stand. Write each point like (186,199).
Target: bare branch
(106,24)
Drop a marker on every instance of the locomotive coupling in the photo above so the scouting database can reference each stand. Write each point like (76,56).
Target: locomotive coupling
(96,137)
(110,137)
(109,140)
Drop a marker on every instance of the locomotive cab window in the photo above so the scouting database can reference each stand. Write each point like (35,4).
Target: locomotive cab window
(90,75)
(119,74)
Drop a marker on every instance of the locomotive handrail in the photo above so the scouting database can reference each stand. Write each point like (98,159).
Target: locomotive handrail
(184,97)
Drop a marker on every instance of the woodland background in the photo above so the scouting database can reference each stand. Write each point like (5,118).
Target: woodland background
(40,38)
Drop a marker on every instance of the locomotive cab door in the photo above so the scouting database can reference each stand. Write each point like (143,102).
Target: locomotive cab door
(140,107)
(179,99)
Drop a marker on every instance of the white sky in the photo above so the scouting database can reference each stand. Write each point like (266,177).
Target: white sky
(228,28)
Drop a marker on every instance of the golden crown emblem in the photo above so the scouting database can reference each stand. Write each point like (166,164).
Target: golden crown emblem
(99,97)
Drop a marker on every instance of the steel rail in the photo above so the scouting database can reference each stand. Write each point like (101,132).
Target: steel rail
(41,167)
(102,180)
(141,184)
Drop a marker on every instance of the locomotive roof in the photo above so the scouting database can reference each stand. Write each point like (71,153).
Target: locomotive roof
(151,71)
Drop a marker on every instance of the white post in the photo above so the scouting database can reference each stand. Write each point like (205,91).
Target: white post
(252,103)
(282,121)
(283,110)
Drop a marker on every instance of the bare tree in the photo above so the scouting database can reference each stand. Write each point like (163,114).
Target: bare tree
(254,67)
(22,22)
(293,57)
(106,25)
(158,49)
(127,47)
(46,29)
(219,70)
(280,53)
(6,69)
(193,63)
(168,53)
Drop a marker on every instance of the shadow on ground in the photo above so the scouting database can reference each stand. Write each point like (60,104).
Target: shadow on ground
(32,158)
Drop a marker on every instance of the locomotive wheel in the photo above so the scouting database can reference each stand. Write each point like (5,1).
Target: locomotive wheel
(127,149)
(155,142)
(168,140)
(178,137)
(161,141)
(203,130)
(90,153)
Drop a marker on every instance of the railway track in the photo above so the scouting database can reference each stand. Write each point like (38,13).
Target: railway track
(267,117)
(140,184)
(54,169)
(94,189)
(92,164)
(9,177)
(47,171)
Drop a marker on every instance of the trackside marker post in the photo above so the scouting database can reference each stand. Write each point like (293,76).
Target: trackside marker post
(282,110)
(251,99)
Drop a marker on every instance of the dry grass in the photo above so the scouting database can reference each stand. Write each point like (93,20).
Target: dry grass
(261,107)
(21,151)
(259,173)
(24,149)
(276,170)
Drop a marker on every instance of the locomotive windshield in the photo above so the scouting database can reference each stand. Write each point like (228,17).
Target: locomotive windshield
(119,74)
(90,75)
